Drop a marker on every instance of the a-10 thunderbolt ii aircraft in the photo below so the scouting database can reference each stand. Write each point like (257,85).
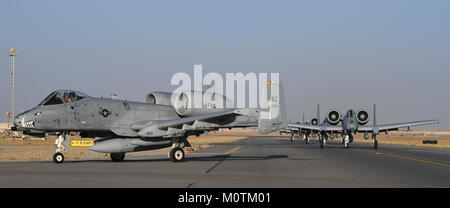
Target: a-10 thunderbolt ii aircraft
(298,131)
(306,133)
(352,122)
(126,126)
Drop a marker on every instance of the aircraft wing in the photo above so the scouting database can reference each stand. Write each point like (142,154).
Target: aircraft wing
(170,128)
(327,128)
(394,126)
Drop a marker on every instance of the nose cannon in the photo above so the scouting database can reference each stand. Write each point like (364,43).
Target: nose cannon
(14,126)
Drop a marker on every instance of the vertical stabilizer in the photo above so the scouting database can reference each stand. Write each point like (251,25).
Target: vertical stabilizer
(374,114)
(318,115)
(274,118)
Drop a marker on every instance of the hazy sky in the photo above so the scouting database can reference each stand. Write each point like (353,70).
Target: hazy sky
(341,54)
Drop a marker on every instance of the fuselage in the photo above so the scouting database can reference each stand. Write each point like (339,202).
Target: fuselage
(91,114)
(71,111)
(350,122)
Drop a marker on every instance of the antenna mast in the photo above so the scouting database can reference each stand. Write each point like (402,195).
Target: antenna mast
(12,55)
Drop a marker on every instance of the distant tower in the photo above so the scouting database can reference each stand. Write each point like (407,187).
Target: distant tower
(12,54)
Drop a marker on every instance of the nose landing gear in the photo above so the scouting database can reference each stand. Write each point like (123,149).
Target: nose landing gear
(323,140)
(347,139)
(58,157)
(62,145)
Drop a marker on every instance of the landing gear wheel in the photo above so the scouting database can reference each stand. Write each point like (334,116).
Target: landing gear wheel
(347,140)
(375,144)
(306,140)
(117,157)
(58,158)
(322,143)
(176,154)
(346,144)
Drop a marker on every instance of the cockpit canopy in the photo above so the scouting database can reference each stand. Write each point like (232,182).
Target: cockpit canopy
(351,113)
(62,96)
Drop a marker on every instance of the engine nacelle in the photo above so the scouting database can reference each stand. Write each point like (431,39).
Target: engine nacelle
(162,98)
(210,103)
(333,117)
(362,116)
(184,104)
(314,121)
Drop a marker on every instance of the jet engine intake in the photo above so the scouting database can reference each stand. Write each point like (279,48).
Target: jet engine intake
(162,98)
(333,117)
(362,116)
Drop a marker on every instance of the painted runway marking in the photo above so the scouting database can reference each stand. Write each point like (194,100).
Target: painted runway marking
(404,157)
(234,149)
(228,153)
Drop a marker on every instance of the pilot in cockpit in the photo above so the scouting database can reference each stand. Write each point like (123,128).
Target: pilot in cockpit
(69,97)
(62,96)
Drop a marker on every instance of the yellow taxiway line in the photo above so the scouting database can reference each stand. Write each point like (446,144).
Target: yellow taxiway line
(236,148)
(404,157)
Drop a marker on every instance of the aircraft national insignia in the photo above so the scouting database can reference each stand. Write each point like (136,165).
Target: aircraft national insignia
(105,113)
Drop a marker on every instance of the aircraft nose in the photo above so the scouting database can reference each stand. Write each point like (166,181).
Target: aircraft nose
(17,121)
(25,119)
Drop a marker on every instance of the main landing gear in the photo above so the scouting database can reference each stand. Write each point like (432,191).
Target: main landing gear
(62,145)
(177,154)
(117,157)
(374,141)
(305,137)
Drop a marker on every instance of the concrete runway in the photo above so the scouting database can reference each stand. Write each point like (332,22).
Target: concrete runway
(252,162)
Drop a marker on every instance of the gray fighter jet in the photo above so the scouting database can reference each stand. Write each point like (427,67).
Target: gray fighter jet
(126,126)
(298,132)
(303,132)
(352,122)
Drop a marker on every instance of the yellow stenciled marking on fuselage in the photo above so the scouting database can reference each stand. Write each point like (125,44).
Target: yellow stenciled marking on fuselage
(82,143)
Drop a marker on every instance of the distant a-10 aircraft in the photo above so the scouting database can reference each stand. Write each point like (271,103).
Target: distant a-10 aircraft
(346,125)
